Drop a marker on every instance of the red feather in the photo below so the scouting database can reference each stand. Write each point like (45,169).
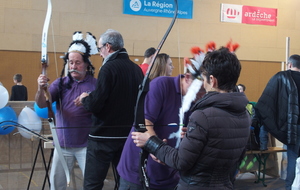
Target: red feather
(235,46)
(229,44)
(210,46)
(186,61)
(196,50)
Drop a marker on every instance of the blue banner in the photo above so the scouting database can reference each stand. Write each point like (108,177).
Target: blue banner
(161,8)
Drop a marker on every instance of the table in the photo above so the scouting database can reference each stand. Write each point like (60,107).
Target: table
(46,166)
(262,156)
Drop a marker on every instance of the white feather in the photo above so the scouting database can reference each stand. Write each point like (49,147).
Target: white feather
(186,104)
(77,36)
(92,43)
(199,58)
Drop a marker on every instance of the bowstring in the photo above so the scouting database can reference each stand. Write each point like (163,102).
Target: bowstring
(179,65)
(54,48)
(60,99)
(57,75)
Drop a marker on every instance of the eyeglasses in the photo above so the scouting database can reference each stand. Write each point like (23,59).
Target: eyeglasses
(99,48)
(200,78)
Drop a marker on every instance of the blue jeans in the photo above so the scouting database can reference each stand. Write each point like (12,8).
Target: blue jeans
(263,137)
(292,155)
(291,166)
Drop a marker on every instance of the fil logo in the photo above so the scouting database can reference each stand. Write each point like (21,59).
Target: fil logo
(232,13)
(135,5)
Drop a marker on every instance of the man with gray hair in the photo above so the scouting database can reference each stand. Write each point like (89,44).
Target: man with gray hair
(278,110)
(112,105)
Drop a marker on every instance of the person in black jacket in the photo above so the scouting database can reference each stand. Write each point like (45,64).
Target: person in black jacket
(18,91)
(112,105)
(217,132)
(278,109)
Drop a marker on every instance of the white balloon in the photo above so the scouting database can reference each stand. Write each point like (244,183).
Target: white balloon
(29,119)
(3,96)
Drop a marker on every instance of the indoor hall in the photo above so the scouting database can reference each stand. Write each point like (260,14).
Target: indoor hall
(263,52)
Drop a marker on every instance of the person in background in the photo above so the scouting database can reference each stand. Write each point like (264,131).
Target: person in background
(278,109)
(112,105)
(148,55)
(162,105)
(249,107)
(18,91)
(241,87)
(162,66)
(261,138)
(217,132)
(73,123)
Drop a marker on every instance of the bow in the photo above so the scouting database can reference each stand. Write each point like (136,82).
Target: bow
(139,116)
(25,129)
(51,118)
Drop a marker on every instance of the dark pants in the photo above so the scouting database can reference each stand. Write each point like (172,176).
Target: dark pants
(98,158)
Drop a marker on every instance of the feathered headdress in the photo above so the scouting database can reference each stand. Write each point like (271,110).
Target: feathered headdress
(193,65)
(87,46)
(232,47)
(210,46)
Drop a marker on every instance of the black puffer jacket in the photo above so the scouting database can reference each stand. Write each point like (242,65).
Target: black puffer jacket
(278,107)
(214,143)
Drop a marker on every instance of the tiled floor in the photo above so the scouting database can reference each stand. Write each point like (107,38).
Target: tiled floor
(17,155)
(247,181)
(18,180)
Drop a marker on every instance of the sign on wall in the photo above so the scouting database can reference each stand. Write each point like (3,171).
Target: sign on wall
(248,14)
(161,8)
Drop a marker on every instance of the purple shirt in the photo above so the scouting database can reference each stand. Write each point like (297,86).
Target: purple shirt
(74,120)
(162,105)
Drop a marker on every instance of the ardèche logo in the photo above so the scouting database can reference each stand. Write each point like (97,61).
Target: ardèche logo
(135,5)
(232,13)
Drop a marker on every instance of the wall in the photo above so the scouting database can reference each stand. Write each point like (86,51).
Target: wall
(29,65)
(254,74)
(21,23)
(261,47)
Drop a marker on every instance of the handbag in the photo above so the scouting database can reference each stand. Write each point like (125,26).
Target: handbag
(253,141)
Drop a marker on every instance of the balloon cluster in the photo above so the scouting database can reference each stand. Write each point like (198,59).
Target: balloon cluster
(7,117)
(3,96)
(6,113)
(30,119)
(43,112)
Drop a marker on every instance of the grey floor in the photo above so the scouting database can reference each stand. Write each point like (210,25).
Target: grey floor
(17,155)
(19,180)
(247,181)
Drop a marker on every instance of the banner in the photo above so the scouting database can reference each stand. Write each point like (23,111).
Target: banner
(248,14)
(162,8)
